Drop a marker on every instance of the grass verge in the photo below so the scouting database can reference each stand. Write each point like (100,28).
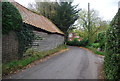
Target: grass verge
(95,50)
(13,66)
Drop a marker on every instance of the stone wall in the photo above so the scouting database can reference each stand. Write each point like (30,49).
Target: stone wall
(47,41)
(43,42)
(9,47)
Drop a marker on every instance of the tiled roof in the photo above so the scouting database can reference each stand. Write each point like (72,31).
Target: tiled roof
(36,20)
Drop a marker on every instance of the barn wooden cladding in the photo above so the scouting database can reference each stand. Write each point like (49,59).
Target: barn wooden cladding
(36,20)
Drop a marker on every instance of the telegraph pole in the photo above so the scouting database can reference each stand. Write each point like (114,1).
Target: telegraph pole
(119,5)
(89,22)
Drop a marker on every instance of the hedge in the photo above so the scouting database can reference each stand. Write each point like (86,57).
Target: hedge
(75,42)
(112,57)
(101,39)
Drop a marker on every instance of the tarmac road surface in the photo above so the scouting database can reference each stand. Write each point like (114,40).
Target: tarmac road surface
(76,63)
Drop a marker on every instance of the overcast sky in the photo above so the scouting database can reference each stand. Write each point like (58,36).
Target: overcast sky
(107,8)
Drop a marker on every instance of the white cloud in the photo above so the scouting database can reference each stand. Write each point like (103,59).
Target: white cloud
(107,8)
(24,2)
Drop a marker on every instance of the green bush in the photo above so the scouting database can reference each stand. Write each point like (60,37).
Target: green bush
(112,57)
(95,45)
(75,42)
(101,39)
(95,50)
(112,66)
(11,18)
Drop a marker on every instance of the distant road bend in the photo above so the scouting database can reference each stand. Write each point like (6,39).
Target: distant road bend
(76,63)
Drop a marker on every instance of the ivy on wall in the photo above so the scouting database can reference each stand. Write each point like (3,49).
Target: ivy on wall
(25,36)
(12,21)
(11,18)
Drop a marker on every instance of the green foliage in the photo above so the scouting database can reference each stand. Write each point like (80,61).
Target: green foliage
(101,38)
(95,50)
(11,18)
(112,58)
(95,45)
(19,64)
(75,42)
(99,52)
(47,9)
(62,14)
(66,15)
(112,66)
(25,36)
(91,26)
(37,37)
(12,21)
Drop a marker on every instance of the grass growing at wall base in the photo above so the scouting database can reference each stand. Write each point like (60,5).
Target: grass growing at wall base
(19,64)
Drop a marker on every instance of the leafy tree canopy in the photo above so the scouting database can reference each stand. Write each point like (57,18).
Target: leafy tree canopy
(62,14)
(91,26)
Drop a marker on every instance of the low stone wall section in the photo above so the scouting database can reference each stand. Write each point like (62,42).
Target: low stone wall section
(9,47)
(44,42)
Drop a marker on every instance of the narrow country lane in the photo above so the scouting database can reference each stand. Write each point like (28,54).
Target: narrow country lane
(76,63)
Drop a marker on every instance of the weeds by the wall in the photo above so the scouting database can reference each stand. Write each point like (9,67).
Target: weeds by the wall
(19,64)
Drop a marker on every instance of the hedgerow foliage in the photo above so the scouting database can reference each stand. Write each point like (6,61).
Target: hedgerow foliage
(11,18)
(101,39)
(75,42)
(112,58)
